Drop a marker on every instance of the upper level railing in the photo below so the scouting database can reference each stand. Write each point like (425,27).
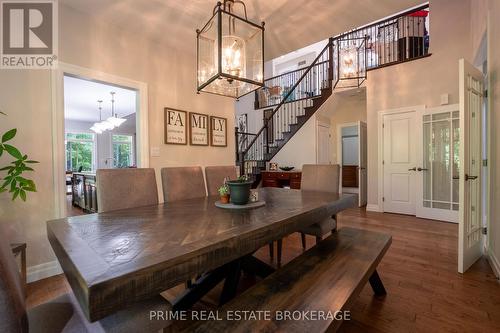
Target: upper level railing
(399,38)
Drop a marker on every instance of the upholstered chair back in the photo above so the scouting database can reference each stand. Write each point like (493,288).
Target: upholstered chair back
(180,183)
(318,177)
(13,317)
(125,188)
(215,177)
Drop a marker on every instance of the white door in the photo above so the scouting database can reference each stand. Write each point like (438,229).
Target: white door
(363,162)
(469,230)
(438,164)
(323,156)
(399,162)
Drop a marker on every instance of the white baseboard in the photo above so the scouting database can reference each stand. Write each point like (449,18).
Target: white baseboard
(42,271)
(494,263)
(372,208)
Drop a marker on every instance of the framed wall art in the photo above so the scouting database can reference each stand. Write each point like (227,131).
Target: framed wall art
(176,126)
(218,131)
(198,129)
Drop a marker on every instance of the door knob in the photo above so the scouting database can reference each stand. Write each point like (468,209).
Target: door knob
(467,177)
(421,169)
(413,169)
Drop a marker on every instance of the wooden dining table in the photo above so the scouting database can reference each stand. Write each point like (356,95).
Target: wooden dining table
(114,259)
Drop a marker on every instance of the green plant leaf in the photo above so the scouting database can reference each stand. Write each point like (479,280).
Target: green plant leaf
(1,149)
(13,151)
(6,168)
(30,188)
(16,193)
(13,187)
(5,183)
(9,135)
(22,194)
(31,162)
(25,168)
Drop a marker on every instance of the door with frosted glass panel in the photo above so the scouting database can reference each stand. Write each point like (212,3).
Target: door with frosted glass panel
(438,166)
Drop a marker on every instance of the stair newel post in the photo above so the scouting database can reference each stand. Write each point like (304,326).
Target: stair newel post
(237,145)
(330,59)
(266,139)
(338,62)
(241,163)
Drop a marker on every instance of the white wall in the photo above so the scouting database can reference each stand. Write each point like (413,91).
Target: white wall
(289,62)
(348,106)
(301,149)
(421,81)
(83,41)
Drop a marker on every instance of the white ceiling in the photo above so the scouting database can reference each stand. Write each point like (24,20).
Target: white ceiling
(290,24)
(81,96)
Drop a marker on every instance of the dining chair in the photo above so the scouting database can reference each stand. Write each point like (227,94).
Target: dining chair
(125,188)
(64,314)
(323,178)
(180,183)
(215,176)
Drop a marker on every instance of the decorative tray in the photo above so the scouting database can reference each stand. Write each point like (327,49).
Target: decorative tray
(249,205)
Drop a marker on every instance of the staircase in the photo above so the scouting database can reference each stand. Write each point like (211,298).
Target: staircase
(294,97)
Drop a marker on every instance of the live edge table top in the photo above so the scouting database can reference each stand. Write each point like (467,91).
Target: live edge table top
(114,259)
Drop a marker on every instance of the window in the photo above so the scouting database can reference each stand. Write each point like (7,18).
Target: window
(80,148)
(123,151)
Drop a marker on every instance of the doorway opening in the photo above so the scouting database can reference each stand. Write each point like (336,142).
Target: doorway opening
(349,144)
(100,121)
(352,158)
(100,133)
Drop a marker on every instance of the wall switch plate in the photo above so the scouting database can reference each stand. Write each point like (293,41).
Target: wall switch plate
(445,99)
(155,151)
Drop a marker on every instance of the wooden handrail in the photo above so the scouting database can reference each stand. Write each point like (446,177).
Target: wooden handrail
(328,45)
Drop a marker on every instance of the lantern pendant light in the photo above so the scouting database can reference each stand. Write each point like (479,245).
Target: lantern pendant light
(230,52)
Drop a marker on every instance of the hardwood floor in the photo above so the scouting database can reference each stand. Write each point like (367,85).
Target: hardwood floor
(425,292)
(72,210)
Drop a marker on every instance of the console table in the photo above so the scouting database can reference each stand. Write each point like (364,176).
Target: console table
(282,179)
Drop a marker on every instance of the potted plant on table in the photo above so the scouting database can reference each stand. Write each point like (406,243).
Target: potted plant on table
(240,190)
(224,194)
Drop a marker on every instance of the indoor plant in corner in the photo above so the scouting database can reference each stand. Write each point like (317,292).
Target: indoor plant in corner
(14,182)
(240,190)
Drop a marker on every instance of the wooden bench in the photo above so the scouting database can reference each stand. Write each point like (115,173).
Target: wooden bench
(325,279)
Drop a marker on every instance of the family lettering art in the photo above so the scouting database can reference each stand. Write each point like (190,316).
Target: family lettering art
(175,126)
(198,129)
(218,131)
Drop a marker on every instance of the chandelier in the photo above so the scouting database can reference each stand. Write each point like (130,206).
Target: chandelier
(230,52)
(111,122)
(352,61)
